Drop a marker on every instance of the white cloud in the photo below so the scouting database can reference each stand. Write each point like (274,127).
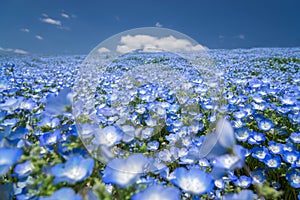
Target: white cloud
(65,15)
(221,36)
(39,37)
(103,50)
(148,43)
(26,30)
(158,24)
(20,51)
(49,20)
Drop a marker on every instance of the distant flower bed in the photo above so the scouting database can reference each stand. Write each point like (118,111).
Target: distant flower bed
(150,150)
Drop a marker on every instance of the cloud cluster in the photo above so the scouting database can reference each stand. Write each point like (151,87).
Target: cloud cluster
(39,37)
(148,43)
(19,51)
(49,20)
(25,30)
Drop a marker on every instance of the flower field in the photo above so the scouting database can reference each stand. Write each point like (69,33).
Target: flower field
(241,141)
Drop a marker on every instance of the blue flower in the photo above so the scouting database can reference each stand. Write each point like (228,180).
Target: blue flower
(260,153)
(50,138)
(256,138)
(28,104)
(124,172)
(63,194)
(291,157)
(57,105)
(293,176)
(193,181)
(24,169)
(158,192)
(8,157)
(242,134)
(108,136)
(244,181)
(273,161)
(295,137)
(76,169)
(218,143)
(265,124)
(258,176)
(275,148)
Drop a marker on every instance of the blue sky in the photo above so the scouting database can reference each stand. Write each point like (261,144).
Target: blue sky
(76,27)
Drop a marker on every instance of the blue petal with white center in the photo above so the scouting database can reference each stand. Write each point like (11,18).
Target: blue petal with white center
(124,172)
(193,181)
(76,169)
(8,157)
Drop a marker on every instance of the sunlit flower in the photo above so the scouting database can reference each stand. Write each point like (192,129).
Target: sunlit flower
(8,157)
(76,169)
(193,181)
(124,172)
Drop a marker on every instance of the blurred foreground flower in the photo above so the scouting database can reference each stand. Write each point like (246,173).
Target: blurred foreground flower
(76,169)
(124,172)
(193,181)
(8,157)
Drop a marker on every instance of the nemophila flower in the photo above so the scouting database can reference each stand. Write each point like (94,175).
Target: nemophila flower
(218,143)
(24,169)
(8,157)
(240,114)
(50,138)
(265,124)
(108,136)
(158,192)
(293,176)
(273,161)
(256,138)
(63,194)
(75,169)
(244,181)
(243,195)
(291,157)
(49,121)
(28,104)
(260,153)
(129,133)
(295,137)
(258,176)
(242,134)
(193,181)
(124,172)
(11,104)
(153,145)
(18,134)
(219,183)
(288,100)
(57,105)
(275,148)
